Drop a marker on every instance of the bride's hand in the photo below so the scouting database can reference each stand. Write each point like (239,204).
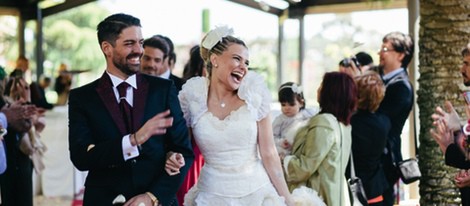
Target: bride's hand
(173,163)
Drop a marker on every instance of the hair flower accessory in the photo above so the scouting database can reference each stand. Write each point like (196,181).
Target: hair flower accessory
(296,89)
(215,36)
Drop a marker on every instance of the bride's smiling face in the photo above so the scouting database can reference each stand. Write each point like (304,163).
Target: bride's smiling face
(231,66)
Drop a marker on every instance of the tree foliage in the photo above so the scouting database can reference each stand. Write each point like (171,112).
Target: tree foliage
(70,37)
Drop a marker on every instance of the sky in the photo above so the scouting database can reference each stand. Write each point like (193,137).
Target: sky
(181,20)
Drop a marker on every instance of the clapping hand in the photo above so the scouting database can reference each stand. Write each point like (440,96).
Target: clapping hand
(19,115)
(450,116)
(442,134)
(173,163)
(462,179)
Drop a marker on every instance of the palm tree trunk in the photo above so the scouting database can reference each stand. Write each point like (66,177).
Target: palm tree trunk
(444,32)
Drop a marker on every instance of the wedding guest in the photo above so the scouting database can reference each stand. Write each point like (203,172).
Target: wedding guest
(321,149)
(293,116)
(446,122)
(369,135)
(454,146)
(169,64)
(38,93)
(63,84)
(156,52)
(195,65)
(365,61)
(395,55)
(17,181)
(22,67)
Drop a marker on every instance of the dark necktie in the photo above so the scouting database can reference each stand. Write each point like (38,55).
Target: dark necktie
(126,109)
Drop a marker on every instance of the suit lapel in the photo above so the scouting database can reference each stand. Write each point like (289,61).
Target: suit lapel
(140,97)
(106,93)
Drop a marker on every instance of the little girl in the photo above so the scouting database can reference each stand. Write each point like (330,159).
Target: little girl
(294,115)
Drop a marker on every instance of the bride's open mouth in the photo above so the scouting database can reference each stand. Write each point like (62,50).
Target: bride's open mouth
(237,76)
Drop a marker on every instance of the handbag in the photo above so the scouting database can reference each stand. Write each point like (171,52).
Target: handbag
(409,170)
(356,189)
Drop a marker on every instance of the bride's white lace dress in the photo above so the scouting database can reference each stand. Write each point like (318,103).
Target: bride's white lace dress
(233,173)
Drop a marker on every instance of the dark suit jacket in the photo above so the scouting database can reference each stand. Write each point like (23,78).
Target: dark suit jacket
(369,136)
(455,158)
(178,82)
(94,118)
(397,104)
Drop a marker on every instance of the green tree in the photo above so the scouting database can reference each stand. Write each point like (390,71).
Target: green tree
(70,37)
(337,40)
(9,45)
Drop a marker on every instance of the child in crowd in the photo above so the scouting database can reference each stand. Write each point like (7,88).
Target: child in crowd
(293,116)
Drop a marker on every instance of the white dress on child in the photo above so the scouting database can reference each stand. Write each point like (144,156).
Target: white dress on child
(285,128)
(233,172)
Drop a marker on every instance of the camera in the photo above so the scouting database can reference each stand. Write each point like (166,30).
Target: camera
(346,62)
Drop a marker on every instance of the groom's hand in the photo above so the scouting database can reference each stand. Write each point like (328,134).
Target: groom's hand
(155,126)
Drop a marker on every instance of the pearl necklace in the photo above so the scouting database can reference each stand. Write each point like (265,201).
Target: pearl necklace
(222,104)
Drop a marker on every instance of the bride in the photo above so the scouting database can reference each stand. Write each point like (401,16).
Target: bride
(228,115)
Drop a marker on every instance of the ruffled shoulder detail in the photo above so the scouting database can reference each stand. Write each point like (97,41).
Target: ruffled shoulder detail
(193,97)
(255,92)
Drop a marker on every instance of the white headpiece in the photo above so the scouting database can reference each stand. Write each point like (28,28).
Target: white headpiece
(215,35)
(297,89)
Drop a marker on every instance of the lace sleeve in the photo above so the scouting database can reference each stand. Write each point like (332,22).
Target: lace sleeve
(192,98)
(254,91)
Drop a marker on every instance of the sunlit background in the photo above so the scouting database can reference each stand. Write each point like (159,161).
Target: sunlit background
(70,37)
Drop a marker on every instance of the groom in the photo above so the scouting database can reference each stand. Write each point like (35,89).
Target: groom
(121,136)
